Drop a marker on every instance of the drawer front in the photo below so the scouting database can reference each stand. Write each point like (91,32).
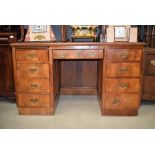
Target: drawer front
(27,100)
(149,64)
(33,85)
(123,69)
(121,101)
(124,54)
(40,55)
(77,54)
(122,85)
(33,70)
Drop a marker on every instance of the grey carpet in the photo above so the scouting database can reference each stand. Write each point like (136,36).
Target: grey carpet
(76,112)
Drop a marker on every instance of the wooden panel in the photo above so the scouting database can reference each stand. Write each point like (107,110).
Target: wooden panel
(149,85)
(78,73)
(100,78)
(122,85)
(124,54)
(29,100)
(4,69)
(148,92)
(6,72)
(33,85)
(89,74)
(149,64)
(123,69)
(116,101)
(71,73)
(39,55)
(35,111)
(77,54)
(120,112)
(33,70)
(79,91)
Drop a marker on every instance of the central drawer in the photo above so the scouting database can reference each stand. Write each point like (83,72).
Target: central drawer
(123,69)
(33,70)
(33,85)
(77,54)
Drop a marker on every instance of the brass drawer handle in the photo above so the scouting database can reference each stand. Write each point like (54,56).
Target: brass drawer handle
(123,70)
(152,62)
(34,100)
(123,85)
(92,53)
(116,101)
(63,55)
(79,54)
(124,55)
(33,70)
(33,85)
(31,55)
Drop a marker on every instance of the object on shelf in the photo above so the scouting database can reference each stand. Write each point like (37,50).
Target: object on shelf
(63,33)
(84,32)
(133,34)
(103,33)
(110,34)
(40,33)
(121,33)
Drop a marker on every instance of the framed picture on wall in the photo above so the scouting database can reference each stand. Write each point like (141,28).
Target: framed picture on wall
(121,33)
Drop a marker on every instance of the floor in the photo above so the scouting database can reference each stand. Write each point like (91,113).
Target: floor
(74,112)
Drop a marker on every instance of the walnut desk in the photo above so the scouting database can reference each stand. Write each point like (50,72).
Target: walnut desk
(44,71)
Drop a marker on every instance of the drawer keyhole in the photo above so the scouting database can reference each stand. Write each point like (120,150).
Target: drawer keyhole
(116,101)
(31,56)
(34,86)
(123,85)
(92,53)
(34,100)
(33,70)
(124,55)
(63,55)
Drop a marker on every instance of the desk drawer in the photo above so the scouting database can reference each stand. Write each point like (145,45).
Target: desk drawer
(27,100)
(122,85)
(38,55)
(150,64)
(33,70)
(126,101)
(78,54)
(123,69)
(124,55)
(33,85)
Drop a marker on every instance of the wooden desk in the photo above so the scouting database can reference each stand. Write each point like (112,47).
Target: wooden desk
(112,71)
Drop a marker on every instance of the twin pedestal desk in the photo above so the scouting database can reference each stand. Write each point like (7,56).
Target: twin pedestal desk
(44,71)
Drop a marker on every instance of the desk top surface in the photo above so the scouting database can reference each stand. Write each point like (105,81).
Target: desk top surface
(53,44)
